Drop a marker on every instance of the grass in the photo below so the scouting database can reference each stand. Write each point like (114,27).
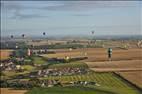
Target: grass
(9,74)
(38,60)
(28,67)
(62,55)
(109,84)
(71,64)
(107,81)
(68,90)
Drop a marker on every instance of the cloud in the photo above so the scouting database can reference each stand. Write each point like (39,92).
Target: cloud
(25,16)
(16,7)
(18,10)
(18,14)
(82,15)
(91,5)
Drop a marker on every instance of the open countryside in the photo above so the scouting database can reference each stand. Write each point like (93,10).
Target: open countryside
(71,47)
(120,75)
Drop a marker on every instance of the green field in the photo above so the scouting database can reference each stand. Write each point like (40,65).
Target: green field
(38,60)
(68,90)
(108,82)
(71,65)
(28,67)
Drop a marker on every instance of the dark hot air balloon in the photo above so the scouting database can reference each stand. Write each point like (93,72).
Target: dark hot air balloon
(23,35)
(11,36)
(44,33)
(92,32)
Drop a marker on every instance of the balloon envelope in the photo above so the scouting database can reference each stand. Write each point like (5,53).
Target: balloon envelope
(44,33)
(23,35)
(11,36)
(92,32)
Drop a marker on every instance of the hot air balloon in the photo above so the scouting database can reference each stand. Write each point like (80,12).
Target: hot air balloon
(23,35)
(93,39)
(11,36)
(44,33)
(92,32)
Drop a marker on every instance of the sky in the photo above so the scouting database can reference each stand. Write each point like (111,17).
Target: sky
(61,18)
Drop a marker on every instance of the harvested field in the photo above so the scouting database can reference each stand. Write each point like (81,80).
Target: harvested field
(11,91)
(126,62)
(4,54)
(45,42)
(133,76)
(126,65)
(98,54)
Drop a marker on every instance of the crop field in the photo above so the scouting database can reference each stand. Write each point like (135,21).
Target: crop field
(38,60)
(129,69)
(11,91)
(126,62)
(72,90)
(106,81)
(133,76)
(44,42)
(71,65)
(4,54)
(124,65)
(98,54)
(75,47)
(68,90)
